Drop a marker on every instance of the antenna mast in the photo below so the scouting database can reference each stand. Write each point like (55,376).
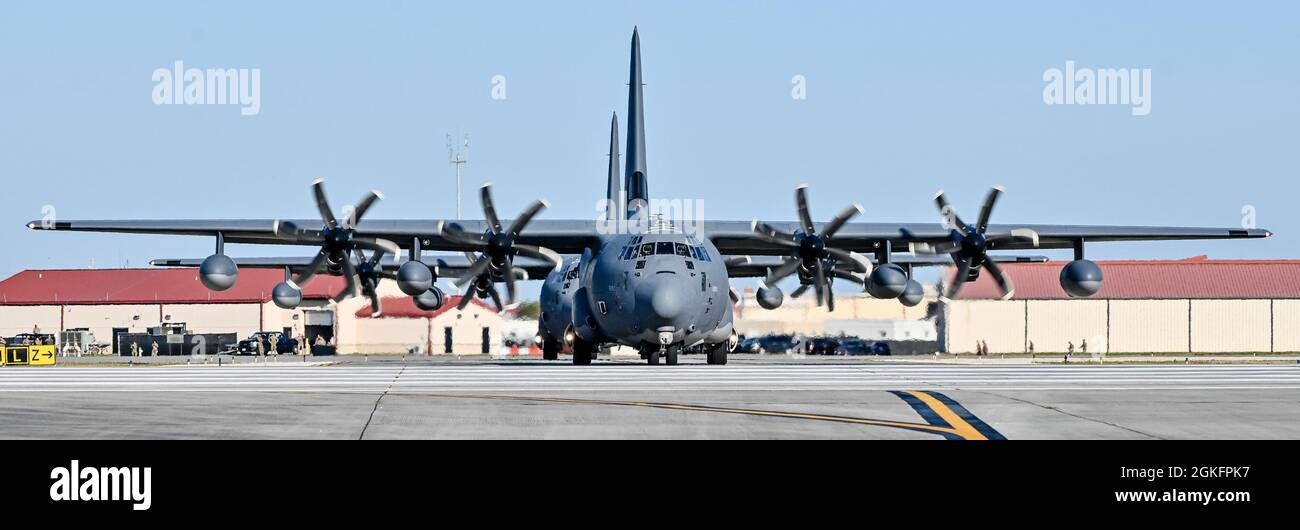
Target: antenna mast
(458,155)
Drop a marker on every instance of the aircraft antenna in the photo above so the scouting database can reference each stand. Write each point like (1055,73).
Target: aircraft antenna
(458,155)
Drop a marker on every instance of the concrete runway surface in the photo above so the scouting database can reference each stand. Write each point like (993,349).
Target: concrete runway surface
(752,398)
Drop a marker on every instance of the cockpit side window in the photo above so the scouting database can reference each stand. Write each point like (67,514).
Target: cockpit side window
(647,249)
(681,249)
(700,253)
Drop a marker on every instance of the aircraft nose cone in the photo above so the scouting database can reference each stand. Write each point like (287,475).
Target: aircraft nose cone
(666,303)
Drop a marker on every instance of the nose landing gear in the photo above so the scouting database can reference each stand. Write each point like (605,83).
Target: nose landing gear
(667,349)
(669,354)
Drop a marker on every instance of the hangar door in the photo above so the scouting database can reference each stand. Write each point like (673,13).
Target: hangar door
(319,323)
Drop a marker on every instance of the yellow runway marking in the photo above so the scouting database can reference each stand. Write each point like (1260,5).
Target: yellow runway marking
(962,429)
(960,426)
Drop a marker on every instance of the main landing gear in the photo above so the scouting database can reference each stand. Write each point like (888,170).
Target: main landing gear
(550,349)
(717,354)
(583,352)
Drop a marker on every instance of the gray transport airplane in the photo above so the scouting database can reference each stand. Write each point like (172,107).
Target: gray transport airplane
(630,277)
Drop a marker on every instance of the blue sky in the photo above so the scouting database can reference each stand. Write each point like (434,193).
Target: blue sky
(903,99)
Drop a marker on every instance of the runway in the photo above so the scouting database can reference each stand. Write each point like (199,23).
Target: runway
(625,400)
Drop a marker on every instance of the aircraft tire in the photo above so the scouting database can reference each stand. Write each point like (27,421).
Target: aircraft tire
(719,354)
(582,353)
(652,358)
(670,356)
(550,350)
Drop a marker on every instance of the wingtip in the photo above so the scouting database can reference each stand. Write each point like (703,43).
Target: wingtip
(378,193)
(33,225)
(545,203)
(859,208)
(938,194)
(487,184)
(999,188)
(802,185)
(318,181)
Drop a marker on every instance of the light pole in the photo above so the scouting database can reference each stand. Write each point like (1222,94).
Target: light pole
(458,155)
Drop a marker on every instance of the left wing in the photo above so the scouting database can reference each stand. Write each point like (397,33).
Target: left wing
(761,267)
(739,238)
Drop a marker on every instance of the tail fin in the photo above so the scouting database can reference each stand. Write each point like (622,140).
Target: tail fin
(615,186)
(636,183)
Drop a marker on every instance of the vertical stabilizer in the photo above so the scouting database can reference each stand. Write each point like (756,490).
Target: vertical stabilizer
(615,185)
(637,182)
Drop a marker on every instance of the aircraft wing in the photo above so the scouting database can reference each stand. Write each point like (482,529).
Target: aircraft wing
(760,267)
(561,236)
(738,238)
(443,266)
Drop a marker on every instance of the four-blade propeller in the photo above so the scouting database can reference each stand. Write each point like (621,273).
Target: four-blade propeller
(497,249)
(338,242)
(813,254)
(969,244)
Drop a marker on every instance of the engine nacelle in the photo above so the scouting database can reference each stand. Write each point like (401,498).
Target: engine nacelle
(218,272)
(1081,278)
(286,295)
(887,281)
(431,299)
(913,294)
(769,297)
(414,278)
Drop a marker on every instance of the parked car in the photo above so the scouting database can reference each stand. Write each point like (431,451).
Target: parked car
(775,344)
(862,347)
(749,345)
(821,346)
(272,342)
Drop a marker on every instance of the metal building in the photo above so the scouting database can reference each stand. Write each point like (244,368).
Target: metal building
(1197,305)
(402,327)
(111,302)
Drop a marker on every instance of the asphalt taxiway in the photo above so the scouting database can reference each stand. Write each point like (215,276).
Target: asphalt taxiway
(754,397)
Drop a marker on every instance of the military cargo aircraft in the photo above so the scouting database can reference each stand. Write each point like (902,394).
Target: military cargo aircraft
(651,284)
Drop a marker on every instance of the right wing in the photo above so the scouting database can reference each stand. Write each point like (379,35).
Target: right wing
(442,266)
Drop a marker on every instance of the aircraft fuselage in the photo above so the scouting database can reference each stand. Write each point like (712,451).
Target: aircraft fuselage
(648,291)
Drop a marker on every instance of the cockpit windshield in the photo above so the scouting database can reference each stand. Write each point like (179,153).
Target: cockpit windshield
(665,248)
